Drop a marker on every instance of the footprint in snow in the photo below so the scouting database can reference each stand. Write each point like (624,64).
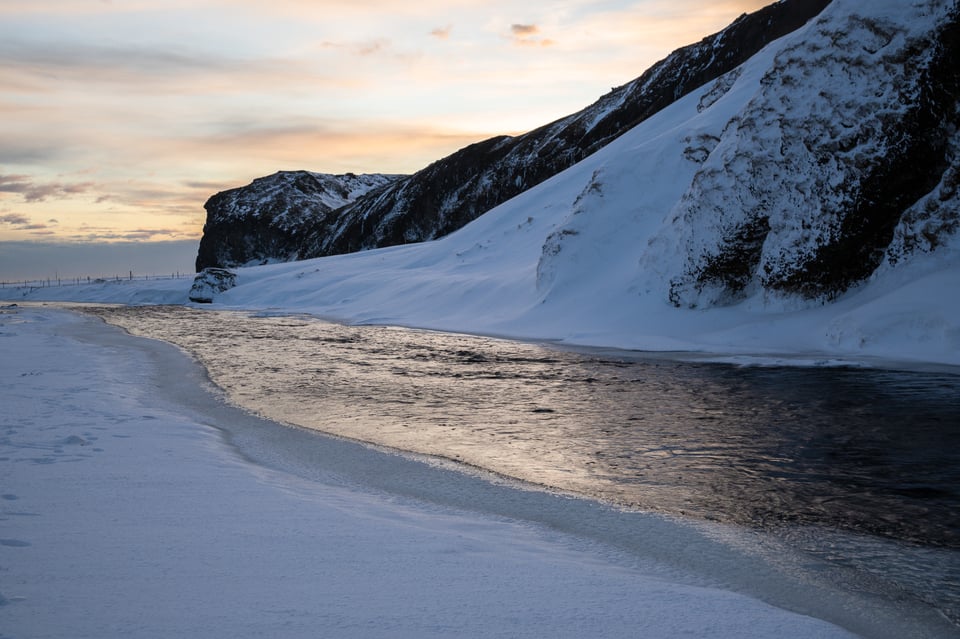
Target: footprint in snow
(14,543)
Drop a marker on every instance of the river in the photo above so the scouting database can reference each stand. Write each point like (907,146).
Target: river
(857,467)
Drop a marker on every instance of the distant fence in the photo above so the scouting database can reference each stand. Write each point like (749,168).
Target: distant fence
(100,279)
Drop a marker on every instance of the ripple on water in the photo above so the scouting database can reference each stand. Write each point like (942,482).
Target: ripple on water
(868,452)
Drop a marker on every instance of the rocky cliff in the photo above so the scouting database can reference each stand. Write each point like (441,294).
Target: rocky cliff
(264,221)
(846,157)
(457,189)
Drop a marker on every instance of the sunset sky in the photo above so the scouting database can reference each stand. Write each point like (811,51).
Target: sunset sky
(119,118)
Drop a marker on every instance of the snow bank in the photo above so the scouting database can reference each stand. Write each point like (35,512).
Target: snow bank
(131,507)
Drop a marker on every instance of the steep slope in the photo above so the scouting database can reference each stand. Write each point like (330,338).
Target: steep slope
(455,190)
(850,142)
(260,222)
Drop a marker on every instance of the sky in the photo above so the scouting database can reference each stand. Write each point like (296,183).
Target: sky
(119,118)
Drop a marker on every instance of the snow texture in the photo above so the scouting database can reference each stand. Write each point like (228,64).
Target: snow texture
(256,224)
(788,169)
(209,283)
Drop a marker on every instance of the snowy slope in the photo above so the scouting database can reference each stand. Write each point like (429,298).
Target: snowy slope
(803,188)
(460,187)
(594,254)
(685,233)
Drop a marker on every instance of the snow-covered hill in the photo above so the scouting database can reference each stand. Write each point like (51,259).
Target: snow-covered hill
(260,222)
(802,205)
(842,156)
(457,189)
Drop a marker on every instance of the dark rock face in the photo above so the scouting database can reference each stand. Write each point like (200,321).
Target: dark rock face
(848,157)
(263,221)
(922,153)
(284,217)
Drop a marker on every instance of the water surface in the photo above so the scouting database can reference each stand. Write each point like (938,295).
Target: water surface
(861,467)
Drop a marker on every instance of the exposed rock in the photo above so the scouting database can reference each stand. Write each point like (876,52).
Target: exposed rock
(456,190)
(264,221)
(849,155)
(285,217)
(209,282)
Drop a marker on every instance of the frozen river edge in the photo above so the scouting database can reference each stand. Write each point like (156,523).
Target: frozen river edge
(180,514)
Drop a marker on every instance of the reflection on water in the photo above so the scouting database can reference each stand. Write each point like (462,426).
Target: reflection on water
(779,449)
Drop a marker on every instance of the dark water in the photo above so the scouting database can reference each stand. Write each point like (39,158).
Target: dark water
(861,467)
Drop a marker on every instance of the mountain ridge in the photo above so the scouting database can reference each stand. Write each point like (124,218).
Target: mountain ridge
(452,191)
(259,223)
(661,240)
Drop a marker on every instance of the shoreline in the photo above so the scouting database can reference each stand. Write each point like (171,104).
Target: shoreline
(833,336)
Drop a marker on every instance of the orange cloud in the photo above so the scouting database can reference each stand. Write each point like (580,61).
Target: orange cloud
(442,33)
(523,30)
(526,35)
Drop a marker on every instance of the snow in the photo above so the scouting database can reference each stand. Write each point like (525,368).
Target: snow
(589,257)
(134,504)
(791,153)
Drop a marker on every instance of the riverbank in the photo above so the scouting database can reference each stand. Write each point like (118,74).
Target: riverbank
(905,318)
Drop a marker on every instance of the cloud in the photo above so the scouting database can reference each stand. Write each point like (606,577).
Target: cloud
(527,35)
(134,235)
(15,219)
(329,145)
(123,74)
(522,30)
(23,223)
(38,192)
(373,46)
(362,48)
(118,62)
(442,33)
(90,233)
(27,151)
(208,186)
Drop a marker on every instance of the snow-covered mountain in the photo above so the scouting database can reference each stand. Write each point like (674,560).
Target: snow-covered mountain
(441,198)
(804,204)
(261,222)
